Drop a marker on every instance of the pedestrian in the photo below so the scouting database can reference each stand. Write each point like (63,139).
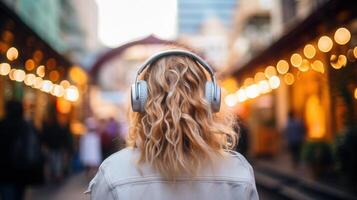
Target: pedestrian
(54,139)
(295,133)
(89,148)
(20,153)
(178,146)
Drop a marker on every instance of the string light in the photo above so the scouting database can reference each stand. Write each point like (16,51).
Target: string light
(274,82)
(4,69)
(309,51)
(12,53)
(325,44)
(289,79)
(19,75)
(318,66)
(270,71)
(296,60)
(305,65)
(282,66)
(342,36)
(230,100)
(30,79)
(72,93)
(241,95)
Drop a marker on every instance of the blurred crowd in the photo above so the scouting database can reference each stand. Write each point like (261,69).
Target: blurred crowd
(34,157)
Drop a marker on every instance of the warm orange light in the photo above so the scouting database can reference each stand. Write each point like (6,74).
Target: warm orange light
(289,79)
(334,62)
(305,65)
(318,66)
(252,91)
(315,118)
(12,53)
(355,93)
(355,52)
(40,71)
(282,66)
(54,75)
(57,90)
(71,93)
(4,69)
(65,84)
(270,71)
(78,75)
(296,60)
(29,65)
(342,60)
(11,74)
(30,79)
(19,75)
(309,51)
(230,84)
(63,106)
(264,87)
(230,100)
(248,81)
(259,76)
(38,55)
(241,95)
(342,36)
(325,44)
(274,82)
(38,83)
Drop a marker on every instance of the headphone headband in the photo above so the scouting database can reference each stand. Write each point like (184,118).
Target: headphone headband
(176,52)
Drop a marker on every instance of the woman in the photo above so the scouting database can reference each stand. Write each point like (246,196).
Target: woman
(178,147)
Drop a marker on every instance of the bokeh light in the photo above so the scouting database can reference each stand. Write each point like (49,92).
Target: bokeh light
(309,51)
(274,82)
(30,79)
(230,100)
(72,93)
(40,71)
(318,66)
(12,53)
(325,44)
(296,60)
(270,71)
(19,75)
(5,69)
(289,79)
(282,66)
(305,65)
(241,95)
(342,36)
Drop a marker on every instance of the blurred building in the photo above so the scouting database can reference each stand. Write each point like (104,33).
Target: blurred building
(70,27)
(33,66)
(204,25)
(294,56)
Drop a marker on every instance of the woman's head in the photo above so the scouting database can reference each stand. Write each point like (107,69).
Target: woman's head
(178,132)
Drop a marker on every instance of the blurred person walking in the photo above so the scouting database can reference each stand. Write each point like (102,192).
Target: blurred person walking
(295,134)
(55,141)
(179,148)
(90,149)
(20,152)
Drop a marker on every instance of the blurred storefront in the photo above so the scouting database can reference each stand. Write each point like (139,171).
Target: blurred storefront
(310,71)
(32,72)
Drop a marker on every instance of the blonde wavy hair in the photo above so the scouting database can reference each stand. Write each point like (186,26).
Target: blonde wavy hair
(178,133)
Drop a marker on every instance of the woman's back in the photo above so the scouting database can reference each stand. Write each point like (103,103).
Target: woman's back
(178,141)
(119,177)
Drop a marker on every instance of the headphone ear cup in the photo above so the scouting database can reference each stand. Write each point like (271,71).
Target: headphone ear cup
(214,98)
(216,101)
(139,95)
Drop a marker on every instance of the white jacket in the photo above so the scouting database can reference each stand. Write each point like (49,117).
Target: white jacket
(120,178)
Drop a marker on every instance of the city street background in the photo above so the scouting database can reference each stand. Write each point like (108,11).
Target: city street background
(287,69)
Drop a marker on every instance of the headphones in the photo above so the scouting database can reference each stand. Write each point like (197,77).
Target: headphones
(139,90)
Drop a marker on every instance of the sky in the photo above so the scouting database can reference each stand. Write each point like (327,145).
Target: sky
(122,21)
